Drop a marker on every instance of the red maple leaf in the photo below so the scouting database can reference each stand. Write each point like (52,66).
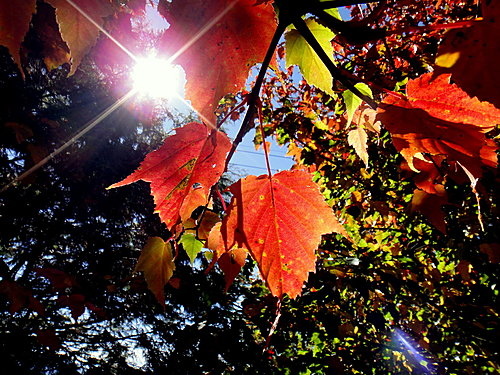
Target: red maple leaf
(220,41)
(438,118)
(183,170)
(469,54)
(15,17)
(280,221)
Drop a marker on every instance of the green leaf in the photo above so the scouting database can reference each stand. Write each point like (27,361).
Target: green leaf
(191,245)
(333,11)
(352,102)
(300,53)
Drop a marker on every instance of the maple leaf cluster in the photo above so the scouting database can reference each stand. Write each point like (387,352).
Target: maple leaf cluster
(439,127)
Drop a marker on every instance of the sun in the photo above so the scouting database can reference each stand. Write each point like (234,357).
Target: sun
(156,78)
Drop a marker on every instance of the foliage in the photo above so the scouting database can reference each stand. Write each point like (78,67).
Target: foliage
(384,133)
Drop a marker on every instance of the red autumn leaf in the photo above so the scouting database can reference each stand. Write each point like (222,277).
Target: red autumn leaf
(430,205)
(470,55)
(54,50)
(280,222)
(76,29)
(430,178)
(183,170)
(438,118)
(222,40)
(76,303)
(15,17)
(106,53)
(48,338)
(60,280)
(20,297)
(231,263)
(492,250)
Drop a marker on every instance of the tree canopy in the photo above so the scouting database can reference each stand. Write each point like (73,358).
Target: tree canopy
(376,253)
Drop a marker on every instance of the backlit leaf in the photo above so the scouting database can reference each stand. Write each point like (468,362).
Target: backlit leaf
(352,102)
(192,246)
(280,222)
(76,29)
(470,55)
(220,41)
(183,170)
(231,263)
(299,52)
(156,261)
(358,139)
(15,17)
(438,118)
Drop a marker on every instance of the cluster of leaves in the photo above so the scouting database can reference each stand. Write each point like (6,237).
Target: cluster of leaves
(69,300)
(422,148)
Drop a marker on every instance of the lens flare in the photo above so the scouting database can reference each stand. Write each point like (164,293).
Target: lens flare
(416,358)
(156,78)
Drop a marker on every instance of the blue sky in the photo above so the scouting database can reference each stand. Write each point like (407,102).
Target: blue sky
(246,160)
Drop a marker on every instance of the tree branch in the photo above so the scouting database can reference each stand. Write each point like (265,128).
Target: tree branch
(253,97)
(354,34)
(341,3)
(336,73)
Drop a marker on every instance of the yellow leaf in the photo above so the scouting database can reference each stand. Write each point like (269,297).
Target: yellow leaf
(299,52)
(358,138)
(157,263)
(77,30)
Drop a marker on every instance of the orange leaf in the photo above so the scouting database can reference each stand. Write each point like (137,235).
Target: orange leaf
(222,40)
(280,221)
(439,118)
(430,206)
(470,55)
(182,171)
(15,17)
(157,263)
(206,224)
(53,48)
(231,263)
(77,31)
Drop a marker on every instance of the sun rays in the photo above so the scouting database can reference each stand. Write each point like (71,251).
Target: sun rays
(153,78)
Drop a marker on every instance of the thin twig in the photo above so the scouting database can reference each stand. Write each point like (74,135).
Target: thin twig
(336,73)
(247,125)
(264,145)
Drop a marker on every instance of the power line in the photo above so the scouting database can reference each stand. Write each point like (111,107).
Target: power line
(260,153)
(251,166)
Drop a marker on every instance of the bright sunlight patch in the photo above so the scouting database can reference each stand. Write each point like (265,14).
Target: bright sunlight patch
(156,78)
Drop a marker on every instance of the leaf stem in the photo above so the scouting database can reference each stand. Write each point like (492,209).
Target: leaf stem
(247,125)
(264,145)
